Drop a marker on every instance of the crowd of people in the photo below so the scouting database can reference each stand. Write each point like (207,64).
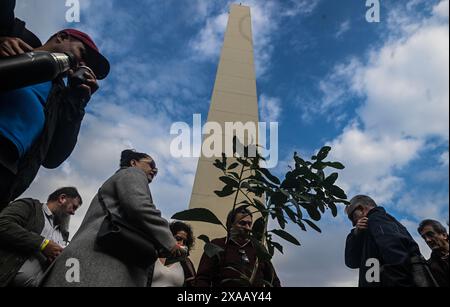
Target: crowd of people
(123,240)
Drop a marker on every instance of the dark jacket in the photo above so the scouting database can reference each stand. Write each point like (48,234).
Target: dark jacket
(21,224)
(14,27)
(386,240)
(63,116)
(214,272)
(439,267)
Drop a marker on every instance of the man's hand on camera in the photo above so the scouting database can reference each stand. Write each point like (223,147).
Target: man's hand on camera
(85,90)
(10,46)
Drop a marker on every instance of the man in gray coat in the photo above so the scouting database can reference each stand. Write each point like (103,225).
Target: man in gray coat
(125,194)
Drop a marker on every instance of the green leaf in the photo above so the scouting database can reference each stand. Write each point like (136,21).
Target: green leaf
(336,165)
(312,225)
(290,213)
(278,214)
(197,215)
(330,180)
(301,225)
(333,209)
(337,191)
(218,164)
(297,206)
(262,180)
(260,206)
(269,176)
(323,153)
(227,191)
(233,166)
(318,165)
(286,236)
(277,246)
(312,210)
(229,181)
(278,199)
(258,228)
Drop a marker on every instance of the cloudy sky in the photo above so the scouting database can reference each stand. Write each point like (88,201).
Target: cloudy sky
(377,93)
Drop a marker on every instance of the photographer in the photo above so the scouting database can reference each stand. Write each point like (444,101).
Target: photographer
(39,124)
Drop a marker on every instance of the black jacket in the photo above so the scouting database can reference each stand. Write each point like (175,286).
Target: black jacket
(14,27)
(385,240)
(21,224)
(440,269)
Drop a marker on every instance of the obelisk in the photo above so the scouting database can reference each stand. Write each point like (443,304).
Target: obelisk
(234,99)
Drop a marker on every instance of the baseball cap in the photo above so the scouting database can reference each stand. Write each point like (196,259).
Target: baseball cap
(95,60)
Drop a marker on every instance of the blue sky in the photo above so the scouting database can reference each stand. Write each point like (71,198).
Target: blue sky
(376,92)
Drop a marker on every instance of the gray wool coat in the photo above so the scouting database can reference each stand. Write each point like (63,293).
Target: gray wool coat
(127,194)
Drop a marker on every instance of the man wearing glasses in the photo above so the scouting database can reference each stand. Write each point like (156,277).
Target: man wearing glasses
(237,259)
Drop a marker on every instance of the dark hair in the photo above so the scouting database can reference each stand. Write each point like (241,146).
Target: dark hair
(177,226)
(232,215)
(438,227)
(70,192)
(129,155)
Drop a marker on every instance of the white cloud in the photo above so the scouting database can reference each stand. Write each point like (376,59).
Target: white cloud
(344,27)
(407,87)
(210,39)
(371,161)
(302,7)
(441,10)
(405,103)
(270,108)
(422,205)
(444,159)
